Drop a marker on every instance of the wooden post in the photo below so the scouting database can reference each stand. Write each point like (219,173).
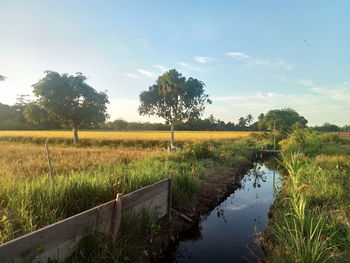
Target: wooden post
(169,199)
(117,216)
(49,160)
(274,135)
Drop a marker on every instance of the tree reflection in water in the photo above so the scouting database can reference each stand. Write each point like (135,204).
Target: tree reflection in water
(257,175)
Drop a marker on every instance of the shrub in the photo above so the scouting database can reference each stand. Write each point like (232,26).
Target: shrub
(304,140)
(200,150)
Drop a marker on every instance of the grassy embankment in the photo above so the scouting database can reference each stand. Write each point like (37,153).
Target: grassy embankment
(311,215)
(86,177)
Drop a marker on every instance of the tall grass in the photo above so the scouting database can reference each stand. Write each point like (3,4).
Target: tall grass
(311,214)
(20,161)
(32,204)
(86,177)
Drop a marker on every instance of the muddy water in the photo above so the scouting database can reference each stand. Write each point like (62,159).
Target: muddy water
(229,232)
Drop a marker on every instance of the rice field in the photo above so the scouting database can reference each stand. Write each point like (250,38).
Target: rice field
(87,176)
(345,135)
(21,161)
(118,138)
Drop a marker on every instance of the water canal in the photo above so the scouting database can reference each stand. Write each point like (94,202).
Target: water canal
(229,232)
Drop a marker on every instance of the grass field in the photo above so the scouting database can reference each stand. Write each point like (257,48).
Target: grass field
(117,138)
(20,161)
(311,215)
(87,176)
(345,135)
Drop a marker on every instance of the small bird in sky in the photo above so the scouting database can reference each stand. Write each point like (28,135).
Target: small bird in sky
(307,43)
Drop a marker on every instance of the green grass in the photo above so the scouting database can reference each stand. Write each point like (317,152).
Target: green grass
(32,204)
(311,215)
(29,204)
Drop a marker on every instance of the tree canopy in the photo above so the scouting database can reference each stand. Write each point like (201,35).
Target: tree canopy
(282,120)
(174,98)
(69,100)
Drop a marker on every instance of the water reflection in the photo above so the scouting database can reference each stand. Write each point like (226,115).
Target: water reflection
(228,233)
(257,175)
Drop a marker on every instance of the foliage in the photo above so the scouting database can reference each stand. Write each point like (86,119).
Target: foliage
(310,142)
(305,140)
(283,120)
(199,150)
(207,124)
(67,99)
(33,203)
(174,98)
(328,127)
(310,221)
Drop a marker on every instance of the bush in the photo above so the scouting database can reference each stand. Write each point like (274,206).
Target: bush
(200,150)
(331,138)
(304,140)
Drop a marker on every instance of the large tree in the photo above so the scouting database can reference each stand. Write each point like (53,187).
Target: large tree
(174,98)
(282,120)
(69,100)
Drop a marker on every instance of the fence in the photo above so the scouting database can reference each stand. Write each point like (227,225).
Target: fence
(58,240)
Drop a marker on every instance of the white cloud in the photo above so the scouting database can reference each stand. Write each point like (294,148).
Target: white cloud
(161,68)
(202,60)
(237,207)
(306,82)
(340,93)
(189,66)
(256,96)
(321,104)
(132,76)
(146,73)
(238,55)
(276,63)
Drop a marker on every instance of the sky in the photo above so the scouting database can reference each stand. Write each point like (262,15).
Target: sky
(253,56)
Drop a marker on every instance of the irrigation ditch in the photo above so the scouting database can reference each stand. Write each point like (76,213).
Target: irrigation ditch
(228,218)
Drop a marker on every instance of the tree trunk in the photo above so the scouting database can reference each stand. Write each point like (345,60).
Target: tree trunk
(172,136)
(75,136)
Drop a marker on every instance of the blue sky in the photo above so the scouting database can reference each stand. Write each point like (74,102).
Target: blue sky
(252,55)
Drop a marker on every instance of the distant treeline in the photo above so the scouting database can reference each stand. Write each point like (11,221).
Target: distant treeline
(11,118)
(207,124)
(328,127)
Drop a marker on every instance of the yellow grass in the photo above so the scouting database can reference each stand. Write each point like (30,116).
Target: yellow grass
(127,135)
(114,138)
(345,135)
(28,160)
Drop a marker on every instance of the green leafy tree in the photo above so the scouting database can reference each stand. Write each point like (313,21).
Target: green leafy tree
(174,98)
(282,120)
(69,100)
(261,116)
(242,122)
(249,119)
